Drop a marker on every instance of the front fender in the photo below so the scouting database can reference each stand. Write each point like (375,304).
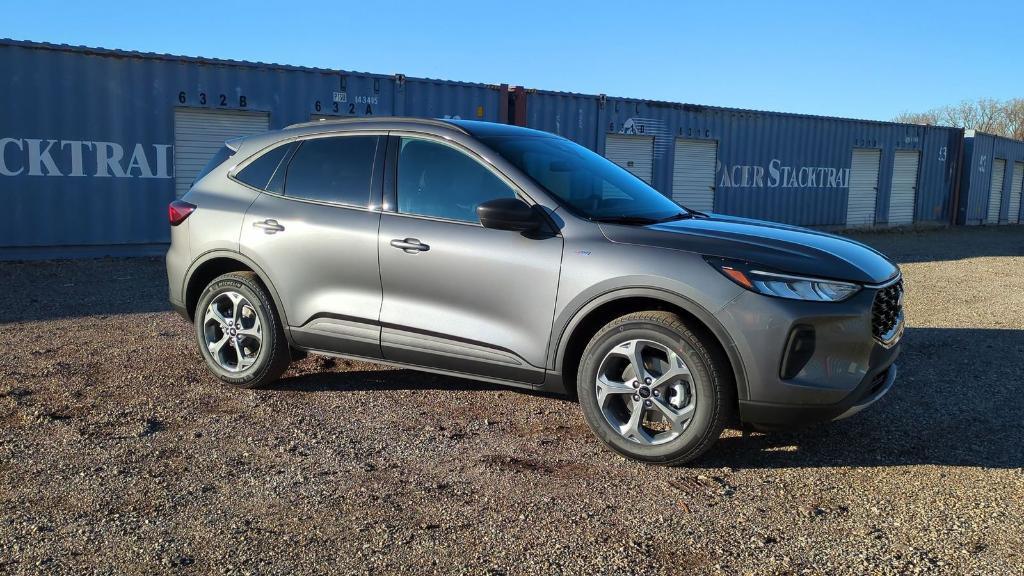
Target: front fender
(588,301)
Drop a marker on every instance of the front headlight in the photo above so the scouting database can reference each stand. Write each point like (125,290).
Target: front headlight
(782,285)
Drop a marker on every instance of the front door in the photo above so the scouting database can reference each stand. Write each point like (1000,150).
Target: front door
(457,295)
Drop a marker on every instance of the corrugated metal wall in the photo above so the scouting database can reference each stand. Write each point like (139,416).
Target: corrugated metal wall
(760,153)
(980,152)
(87,141)
(87,134)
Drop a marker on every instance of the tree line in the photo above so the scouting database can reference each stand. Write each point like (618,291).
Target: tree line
(999,117)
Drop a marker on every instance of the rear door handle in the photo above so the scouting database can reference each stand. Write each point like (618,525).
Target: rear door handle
(409,245)
(269,226)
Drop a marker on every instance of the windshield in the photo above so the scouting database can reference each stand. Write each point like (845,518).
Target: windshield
(588,184)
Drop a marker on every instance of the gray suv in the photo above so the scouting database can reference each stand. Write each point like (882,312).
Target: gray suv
(517,257)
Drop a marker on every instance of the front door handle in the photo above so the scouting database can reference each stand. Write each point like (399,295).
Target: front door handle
(409,245)
(269,226)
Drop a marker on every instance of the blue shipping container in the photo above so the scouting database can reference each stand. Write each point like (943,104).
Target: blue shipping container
(783,167)
(992,178)
(87,136)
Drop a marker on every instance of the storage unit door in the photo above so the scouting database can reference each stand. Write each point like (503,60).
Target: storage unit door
(1016,189)
(860,206)
(693,174)
(904,187)
(198,134)
(634,153)
(995,191)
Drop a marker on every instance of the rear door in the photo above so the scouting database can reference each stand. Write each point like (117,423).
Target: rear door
(470,299)
(314,233)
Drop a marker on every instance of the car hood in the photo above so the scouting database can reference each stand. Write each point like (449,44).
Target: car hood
(780,247)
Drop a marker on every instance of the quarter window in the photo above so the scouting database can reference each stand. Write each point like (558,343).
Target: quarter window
(440,181)
(335,169)
(259,172)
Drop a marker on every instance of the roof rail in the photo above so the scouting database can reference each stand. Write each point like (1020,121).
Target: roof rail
(357,119)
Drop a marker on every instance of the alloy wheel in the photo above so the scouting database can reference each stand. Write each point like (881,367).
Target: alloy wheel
(232,331)
(645,392)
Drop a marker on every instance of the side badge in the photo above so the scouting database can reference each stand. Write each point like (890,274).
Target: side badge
(583,252)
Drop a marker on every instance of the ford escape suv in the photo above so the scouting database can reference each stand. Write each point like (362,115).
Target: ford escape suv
(518,257)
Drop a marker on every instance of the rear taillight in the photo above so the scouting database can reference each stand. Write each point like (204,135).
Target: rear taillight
(178,210)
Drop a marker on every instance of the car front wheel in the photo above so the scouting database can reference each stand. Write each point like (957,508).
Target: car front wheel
(655,389)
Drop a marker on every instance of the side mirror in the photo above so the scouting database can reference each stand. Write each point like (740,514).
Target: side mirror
(508,214)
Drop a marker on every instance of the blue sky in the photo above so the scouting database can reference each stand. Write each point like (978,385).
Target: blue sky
(860,58)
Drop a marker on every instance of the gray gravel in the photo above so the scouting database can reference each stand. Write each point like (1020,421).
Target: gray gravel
(120,454)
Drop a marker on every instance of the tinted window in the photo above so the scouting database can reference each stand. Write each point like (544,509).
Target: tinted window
(334,169)
(259,172)
(588,183)
(438,180)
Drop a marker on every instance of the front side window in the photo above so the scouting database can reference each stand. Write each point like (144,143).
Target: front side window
(335,169)
(439,181)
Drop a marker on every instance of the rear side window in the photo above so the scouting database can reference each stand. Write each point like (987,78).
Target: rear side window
(223,154)
(336,169)
(259,172)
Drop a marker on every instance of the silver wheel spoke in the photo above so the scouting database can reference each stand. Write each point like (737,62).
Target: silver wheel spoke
(677,418)
(677,369)
(243,361)
(608,388)
(236,306)
(634,351)
(632,428)
(215,347)
(213,314)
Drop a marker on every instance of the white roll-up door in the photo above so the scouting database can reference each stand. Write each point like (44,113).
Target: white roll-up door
(693,174)
(198,134)
(904,187)
(995,192)
(634,153)
(860,206)
(1016,190)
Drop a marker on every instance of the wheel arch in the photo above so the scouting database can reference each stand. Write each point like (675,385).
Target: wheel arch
(575,333)
(211,265)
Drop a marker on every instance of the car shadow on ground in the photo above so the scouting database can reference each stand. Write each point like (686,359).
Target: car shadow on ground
(957,402)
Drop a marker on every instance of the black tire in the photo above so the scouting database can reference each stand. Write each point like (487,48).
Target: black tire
(273,356)
(712,380)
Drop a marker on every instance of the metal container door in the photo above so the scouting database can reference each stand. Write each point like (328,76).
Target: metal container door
(634,153)
(904,187)
(995,192)
(693,174)
(860,206)
(1017,187)
(199,134)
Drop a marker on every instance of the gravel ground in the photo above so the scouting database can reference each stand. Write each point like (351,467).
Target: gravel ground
(119,453)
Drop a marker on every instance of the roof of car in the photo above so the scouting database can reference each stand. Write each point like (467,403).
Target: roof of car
(476,128)
(344,121)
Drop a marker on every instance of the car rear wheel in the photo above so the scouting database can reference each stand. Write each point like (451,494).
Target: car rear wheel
(240,335)
(655,389)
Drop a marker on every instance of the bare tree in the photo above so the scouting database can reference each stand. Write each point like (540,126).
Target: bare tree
(1002,118)
(1015,118)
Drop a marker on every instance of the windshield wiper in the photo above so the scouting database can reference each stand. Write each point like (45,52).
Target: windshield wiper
(679,216)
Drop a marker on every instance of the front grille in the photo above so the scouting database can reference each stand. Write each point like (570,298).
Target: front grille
(887,311)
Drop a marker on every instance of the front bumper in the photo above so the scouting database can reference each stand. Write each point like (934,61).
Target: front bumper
(848,371)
